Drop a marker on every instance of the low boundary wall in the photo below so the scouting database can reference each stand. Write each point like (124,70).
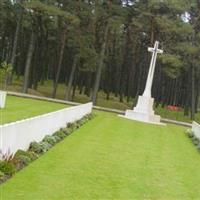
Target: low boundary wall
(19,134)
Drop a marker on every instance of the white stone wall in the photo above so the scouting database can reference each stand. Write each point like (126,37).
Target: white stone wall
(19,135)
(196,129)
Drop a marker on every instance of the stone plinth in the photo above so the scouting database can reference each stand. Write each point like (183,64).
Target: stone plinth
(2,99)
(144,111)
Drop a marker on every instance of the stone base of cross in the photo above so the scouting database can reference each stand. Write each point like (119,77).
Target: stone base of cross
(144,109)
(2,99)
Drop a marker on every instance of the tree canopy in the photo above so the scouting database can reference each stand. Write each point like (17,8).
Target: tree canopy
(94,45)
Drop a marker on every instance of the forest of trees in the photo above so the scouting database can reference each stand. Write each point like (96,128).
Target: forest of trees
(93,45)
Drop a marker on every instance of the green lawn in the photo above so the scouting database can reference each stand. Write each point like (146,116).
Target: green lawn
(112,158)
(21,108)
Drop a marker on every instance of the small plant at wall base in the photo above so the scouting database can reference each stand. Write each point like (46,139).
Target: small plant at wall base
(7,169)
(23,158)
(194,139)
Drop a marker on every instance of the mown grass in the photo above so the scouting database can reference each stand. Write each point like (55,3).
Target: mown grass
(21,108)
(46,90)
(112,158)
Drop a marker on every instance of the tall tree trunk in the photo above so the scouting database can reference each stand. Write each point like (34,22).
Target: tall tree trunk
(187,97)
(62,47)
(74,87)
(100,67)
(87,90)
(197,96)
(28,62)
(71,78)
(126,64)
(14,50)
(193,92)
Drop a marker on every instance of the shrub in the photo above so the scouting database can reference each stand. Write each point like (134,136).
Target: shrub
(67,131)
(90,116)
(25,157)
(83,121)
(74,126)
(50,139)
(60,134)
(7,168)
(28,154)
(45,146)
(69,125)
(23,160)
(58,139)
(77,124)
(21,152)
(33,155)
(36,147)
(78,121)
(190,133)
(195,141)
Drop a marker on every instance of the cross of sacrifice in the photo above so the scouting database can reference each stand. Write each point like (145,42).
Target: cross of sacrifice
(155,51)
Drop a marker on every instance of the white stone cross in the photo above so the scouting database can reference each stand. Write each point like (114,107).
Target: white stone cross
(143,111)
(155,51)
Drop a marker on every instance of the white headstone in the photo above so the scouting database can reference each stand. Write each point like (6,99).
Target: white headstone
(2,99)
(196,129)
(144,109)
